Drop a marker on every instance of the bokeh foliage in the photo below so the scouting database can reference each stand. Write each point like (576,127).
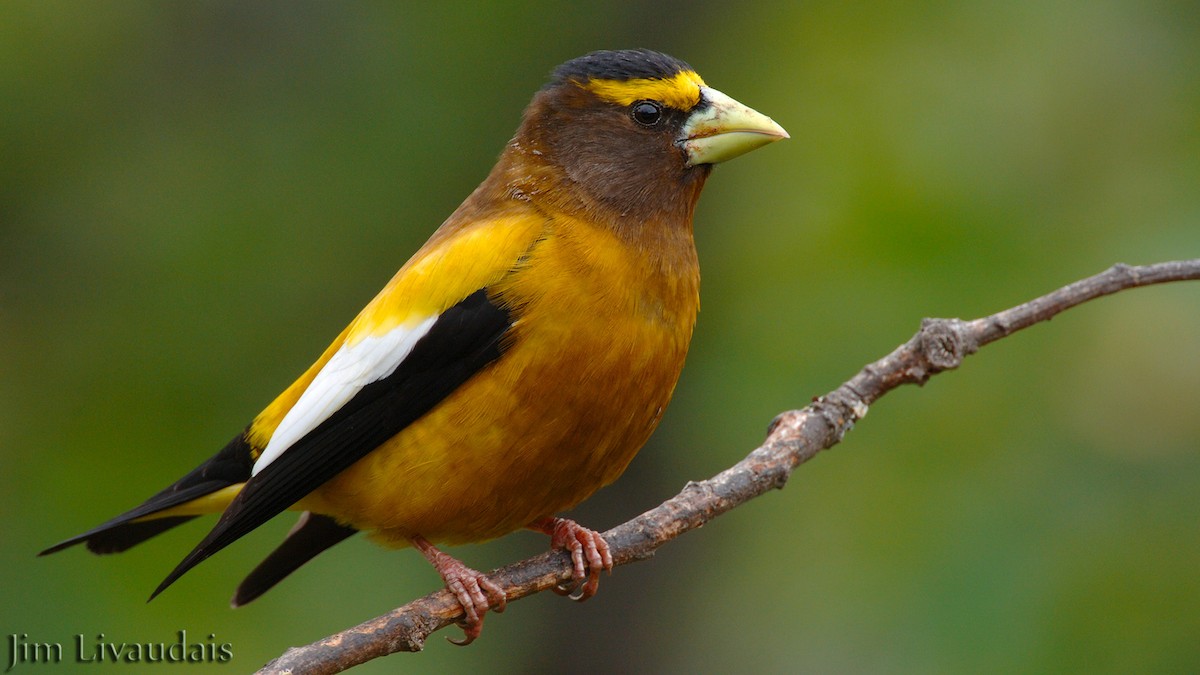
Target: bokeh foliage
(196,196)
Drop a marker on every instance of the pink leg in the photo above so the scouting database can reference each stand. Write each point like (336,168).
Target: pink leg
(585,546)
(475,592)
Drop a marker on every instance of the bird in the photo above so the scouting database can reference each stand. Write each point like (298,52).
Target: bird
(514,364)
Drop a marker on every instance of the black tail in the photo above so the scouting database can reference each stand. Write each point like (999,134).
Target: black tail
(228,467)
(311,535)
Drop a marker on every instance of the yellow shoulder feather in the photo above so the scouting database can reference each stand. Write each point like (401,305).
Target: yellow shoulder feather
(457,261)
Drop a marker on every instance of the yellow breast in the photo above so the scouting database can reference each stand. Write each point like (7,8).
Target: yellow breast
(599,337)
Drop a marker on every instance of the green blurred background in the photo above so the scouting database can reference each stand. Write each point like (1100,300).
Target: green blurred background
(195,197)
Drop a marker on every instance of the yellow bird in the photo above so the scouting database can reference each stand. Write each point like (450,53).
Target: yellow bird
(513,366)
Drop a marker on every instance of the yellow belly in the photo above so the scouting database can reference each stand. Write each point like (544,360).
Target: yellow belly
(590,364)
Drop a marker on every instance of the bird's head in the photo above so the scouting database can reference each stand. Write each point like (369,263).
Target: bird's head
(636,131)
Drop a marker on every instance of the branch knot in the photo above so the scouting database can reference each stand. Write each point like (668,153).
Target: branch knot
(944,343)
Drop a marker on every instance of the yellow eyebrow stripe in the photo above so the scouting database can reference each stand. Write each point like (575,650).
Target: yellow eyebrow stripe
(681,91)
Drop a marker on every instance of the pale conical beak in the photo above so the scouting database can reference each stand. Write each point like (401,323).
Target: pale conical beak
(724,129)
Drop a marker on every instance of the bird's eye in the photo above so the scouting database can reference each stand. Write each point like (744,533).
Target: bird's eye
(646,113)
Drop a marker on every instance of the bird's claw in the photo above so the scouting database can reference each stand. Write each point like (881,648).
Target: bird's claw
(589,555)
(477,594)
(473,590)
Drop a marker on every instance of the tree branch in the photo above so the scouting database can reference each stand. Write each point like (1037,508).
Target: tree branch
(794,437)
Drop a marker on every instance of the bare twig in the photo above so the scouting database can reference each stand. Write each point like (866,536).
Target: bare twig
(794,438)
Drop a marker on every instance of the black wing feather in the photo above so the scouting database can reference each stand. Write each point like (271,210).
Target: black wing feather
(463,340)
(230,466)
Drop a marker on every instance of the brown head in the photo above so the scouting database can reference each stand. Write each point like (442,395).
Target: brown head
(628,134)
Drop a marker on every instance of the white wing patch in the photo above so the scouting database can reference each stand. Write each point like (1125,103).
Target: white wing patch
(345,374)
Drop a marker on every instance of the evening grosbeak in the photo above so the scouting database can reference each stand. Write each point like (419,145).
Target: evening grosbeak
(512,367)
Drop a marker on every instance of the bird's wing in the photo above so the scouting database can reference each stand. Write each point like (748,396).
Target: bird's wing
(207,488)
(430,329)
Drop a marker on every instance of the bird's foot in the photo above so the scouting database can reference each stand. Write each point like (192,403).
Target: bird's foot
(589,554)
(475,592)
